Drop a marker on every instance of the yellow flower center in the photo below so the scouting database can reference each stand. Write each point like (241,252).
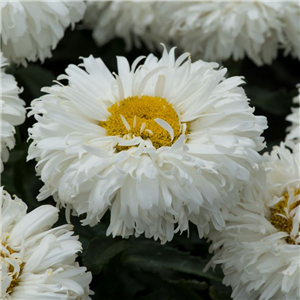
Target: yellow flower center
(7,253)
(147,117)
(284,223)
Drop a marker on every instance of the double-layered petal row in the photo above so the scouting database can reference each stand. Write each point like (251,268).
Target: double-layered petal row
(159,144)
(38,261)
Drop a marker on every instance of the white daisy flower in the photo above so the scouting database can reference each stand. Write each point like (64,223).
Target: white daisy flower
(294,118)
(158,145)
(31,30)
(259,250)
(37,261)
(218,30)
(131,21)
(11,109)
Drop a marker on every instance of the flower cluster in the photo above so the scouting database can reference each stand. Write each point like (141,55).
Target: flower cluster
(213,31)
(159,145)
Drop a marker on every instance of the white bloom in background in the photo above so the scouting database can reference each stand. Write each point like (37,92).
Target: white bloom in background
(37,261)
(294,118)
(30,30)
(291,16)
(129,20)
(160,144)
(218,30)
(259,250)
(11,109)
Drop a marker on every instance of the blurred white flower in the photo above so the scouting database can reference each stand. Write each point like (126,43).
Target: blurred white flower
(37,261)
(11,109)
(218,30)
(291,16)
(160,144)
(30,30)
(130,20)
(259,249)
(294,118)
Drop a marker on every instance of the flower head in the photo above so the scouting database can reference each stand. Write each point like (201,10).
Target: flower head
(37,261)
(259,249)
(131,21)
(294,118)
(159,144)
(12,111)
(218,30)
(31,30)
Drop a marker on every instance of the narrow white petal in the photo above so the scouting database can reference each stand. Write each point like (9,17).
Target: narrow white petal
(125,123)
(165,126)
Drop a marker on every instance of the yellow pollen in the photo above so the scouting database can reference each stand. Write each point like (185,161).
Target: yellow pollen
(15,276)
(135,117)
(281,223)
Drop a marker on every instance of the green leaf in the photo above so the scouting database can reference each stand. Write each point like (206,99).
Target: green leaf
(153,256)
(215,294)
(183,289)
(191,284)
(101,250)
(162,288)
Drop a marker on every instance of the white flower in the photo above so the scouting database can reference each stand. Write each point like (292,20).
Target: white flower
(158,145)
(218,30)
(131,21)
(37,261)
(259,250)
(12,111)
(291,15)
(31,30)
(294,118)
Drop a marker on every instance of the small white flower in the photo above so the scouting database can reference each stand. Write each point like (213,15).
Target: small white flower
(218,30)
(158,144)
(31,30)
(129,20)
(37,261)
(294,118)
(259,249)
(12,111)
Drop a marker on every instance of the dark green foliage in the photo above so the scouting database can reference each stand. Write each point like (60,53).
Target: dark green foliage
(138,268)
(216,294)
(101,250)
